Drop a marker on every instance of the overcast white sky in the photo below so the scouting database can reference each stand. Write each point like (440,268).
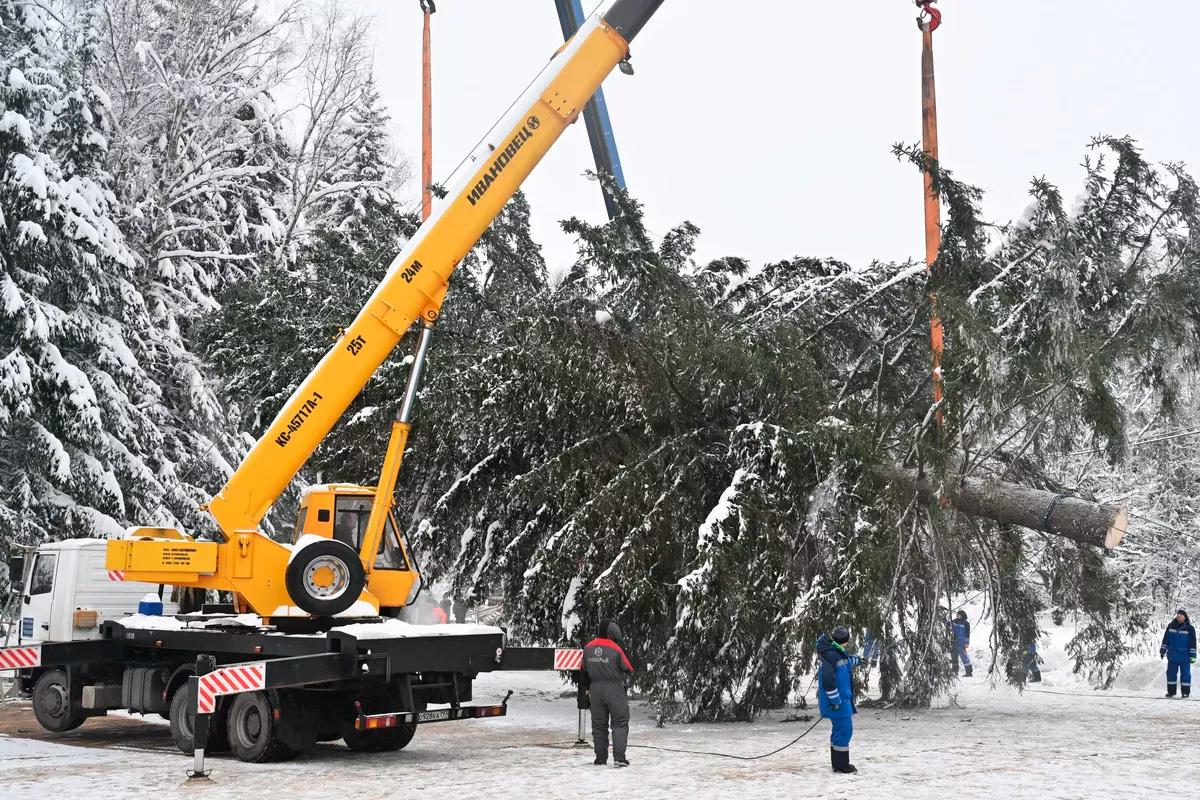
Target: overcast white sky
(769,124)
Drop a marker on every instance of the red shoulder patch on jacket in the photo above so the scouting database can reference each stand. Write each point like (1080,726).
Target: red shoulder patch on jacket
(614,646)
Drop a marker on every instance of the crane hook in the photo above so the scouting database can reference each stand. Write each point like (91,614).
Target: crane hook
(927,10)
(428,7)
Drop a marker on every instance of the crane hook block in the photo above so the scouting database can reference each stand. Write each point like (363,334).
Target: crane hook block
(927,10)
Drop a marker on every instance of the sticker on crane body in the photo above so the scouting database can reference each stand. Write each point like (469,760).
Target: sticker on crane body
(229,680)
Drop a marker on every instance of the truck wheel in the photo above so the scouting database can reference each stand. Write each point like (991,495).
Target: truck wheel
(325,578)
(252,730)
(183,721)
(387,740)
(396,738)
(52,703)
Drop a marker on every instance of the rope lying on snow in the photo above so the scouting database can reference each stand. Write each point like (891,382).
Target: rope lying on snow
(1099,696)
(728,755)
(558,745)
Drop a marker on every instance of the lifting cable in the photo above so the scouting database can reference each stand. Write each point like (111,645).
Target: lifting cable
(427,8)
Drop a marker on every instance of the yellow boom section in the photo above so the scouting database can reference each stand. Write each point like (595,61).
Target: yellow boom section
(415,284)
(251,564)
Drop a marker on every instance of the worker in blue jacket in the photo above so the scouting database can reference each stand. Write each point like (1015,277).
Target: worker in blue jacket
(1179,649)
(962,640)
(835,694)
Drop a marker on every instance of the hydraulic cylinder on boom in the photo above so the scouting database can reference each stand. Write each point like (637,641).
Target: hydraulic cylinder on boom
(348,557)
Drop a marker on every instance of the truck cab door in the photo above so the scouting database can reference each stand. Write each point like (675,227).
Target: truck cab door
(38,600)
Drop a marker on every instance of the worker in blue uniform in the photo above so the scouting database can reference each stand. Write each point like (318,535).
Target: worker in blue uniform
(835,694)
(1179,649)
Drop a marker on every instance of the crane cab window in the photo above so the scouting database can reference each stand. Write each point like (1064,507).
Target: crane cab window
(350,516)
(42,580)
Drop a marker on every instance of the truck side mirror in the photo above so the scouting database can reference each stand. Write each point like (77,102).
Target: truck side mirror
(16,572)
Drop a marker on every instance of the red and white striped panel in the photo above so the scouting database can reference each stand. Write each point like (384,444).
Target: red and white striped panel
(568,659)
(229,680)
(20,657)
(116,575)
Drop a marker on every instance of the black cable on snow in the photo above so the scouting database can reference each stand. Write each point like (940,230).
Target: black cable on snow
(1099,696)
(728,755)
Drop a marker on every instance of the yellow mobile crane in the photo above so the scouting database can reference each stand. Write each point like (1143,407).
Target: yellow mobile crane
(348,557)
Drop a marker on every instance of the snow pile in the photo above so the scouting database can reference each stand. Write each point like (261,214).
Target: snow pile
(143,622)
(395,629)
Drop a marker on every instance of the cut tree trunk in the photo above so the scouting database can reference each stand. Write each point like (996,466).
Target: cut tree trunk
(1074,518)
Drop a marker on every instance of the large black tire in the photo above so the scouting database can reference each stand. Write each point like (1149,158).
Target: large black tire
(253,730)
(396,738)
(52,703)
(348,579)
(387,740)
(183,719)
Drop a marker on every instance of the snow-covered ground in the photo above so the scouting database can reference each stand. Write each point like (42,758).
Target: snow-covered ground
(1059,739)
(983,743)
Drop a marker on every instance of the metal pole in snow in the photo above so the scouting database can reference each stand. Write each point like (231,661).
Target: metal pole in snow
(200,722)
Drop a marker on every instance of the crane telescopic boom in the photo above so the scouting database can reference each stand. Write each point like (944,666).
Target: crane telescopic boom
(248,562)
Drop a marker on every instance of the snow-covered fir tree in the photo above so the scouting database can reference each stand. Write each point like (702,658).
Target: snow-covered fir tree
(293,310)
(81,416)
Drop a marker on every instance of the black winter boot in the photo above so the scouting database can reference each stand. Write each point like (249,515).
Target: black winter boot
(1185,691)
(1170,690)
(841,761)
(968,671)
(1035,677)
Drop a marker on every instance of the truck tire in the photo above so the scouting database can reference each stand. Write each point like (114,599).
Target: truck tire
(52,704)
(387,740)
(183,719)
(396,738)
(325,578)
(252,730)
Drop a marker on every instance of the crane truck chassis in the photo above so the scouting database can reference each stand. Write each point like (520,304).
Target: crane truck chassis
(264,695)
(229,681)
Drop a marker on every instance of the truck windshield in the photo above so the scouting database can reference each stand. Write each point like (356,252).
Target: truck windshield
(42,580)
(350,515)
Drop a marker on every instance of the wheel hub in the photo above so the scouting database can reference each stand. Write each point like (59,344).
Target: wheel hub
(326,578)
(54,700)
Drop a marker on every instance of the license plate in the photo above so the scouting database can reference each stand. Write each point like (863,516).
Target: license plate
(433,716)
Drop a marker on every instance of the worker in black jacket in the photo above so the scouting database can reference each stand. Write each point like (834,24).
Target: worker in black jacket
(606,665)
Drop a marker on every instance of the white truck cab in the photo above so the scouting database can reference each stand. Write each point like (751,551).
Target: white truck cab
(68,593)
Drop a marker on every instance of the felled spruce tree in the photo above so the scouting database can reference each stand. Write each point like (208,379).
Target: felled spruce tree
(695,450)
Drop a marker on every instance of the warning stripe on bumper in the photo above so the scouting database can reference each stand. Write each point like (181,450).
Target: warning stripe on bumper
(568,659)
(229,680)
(20,657)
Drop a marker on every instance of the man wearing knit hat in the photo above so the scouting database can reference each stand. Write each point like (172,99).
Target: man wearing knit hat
(835,696)
(1179,649)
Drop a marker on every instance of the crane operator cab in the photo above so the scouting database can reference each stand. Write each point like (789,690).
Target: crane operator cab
(340,512)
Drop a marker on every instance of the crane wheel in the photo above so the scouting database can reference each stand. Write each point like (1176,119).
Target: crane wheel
(52,704)
(325,578)
(254,730)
